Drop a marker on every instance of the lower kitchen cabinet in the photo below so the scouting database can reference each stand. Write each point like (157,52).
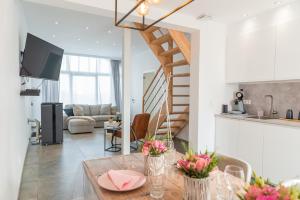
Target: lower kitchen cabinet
(272,150)
(281,156)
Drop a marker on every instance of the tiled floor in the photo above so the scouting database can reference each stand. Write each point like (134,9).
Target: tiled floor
(51,172)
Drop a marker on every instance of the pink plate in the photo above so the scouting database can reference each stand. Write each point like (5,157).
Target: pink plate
(105,182)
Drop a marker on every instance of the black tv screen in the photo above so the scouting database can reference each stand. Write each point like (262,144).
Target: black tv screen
(41,59)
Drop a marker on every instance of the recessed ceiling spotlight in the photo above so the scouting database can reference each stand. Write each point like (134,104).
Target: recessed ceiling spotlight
(54,36)
(109,31)
(277,3)
(78,39)
(245,15)
(56,23)
(87,28)
(204,17)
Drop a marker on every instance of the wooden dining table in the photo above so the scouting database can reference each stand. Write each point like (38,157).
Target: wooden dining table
(94,168)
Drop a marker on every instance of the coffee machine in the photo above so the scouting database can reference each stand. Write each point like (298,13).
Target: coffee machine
(237,103)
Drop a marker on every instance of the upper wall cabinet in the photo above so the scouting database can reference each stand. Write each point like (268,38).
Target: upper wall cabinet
(251,56)
(288,51)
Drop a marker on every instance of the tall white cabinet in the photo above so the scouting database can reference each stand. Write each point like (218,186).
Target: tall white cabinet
(251,56)
(264,54)
(288,51)
(272,150)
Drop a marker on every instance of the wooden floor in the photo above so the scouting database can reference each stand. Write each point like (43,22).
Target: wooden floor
(51,172)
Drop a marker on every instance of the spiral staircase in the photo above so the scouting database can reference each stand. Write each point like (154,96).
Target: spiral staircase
(173,51)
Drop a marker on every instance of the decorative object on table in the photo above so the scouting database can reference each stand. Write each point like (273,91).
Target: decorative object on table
(235,180)
(121,180)
(111,120)
(262,190)
(118,117)
(196,169)
(154,150)
(142,8)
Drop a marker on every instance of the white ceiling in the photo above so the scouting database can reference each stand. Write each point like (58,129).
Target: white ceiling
(78,32)
(226,11)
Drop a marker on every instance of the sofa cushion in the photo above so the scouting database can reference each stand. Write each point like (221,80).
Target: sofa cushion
(105,109)
(95,109)
(78,110)
(69,112)
(86,110)
(102,117)
(114,110)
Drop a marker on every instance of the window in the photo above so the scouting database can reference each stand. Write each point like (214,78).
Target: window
(86,80)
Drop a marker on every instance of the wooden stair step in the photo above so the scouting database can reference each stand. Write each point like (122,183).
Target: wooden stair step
(152,29)
(162,132)
(177,63)
(173,51)
(161,40)
(181,95)
(181,75)
(181,104)
(177,120)
(179,113)
(181,85)
(165,127)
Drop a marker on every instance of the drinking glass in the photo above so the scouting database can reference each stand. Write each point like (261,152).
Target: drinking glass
(235,179)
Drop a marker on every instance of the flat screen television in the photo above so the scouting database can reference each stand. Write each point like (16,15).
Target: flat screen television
(41,59)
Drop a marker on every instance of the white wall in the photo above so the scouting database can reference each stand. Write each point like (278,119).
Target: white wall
(210,87)
(141,62)
(14,131)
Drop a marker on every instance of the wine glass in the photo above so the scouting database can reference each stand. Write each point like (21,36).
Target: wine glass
(235,179)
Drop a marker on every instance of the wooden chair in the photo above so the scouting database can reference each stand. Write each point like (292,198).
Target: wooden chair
(227,160)
(138,129)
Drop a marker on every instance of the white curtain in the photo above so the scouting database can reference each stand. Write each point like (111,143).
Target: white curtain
(50,91)
(86,80)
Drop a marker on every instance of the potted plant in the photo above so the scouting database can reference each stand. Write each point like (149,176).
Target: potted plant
(262,190)
(153,151)
(196,169)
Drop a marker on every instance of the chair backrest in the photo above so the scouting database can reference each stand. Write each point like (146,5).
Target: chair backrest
(140,125)
(227,160)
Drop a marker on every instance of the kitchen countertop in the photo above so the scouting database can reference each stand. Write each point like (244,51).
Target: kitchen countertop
(284,122)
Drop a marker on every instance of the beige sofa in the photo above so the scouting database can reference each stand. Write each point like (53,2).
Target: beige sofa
(97,113)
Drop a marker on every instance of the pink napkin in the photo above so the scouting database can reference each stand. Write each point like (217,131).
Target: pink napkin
(122,180)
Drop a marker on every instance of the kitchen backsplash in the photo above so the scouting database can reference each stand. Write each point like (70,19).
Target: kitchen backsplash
(286,96)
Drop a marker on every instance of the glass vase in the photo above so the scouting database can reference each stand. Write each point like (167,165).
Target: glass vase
(146,167)
(196,189)
(170,154)
(156,170)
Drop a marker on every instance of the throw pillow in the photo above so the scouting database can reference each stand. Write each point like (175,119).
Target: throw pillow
(105,109)
(69,112)
(95,110)
(78,111)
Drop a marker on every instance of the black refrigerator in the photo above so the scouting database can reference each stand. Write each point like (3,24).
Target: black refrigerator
(52,123)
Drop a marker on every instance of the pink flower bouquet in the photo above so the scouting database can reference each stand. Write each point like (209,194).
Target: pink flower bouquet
(154,148)
(261,190)
(197,165)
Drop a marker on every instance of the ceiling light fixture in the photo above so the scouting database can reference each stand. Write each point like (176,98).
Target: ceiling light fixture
(109,31)
(245,15)
(54,36)
(78,39)
(56,23)
(87,28)
(142,8)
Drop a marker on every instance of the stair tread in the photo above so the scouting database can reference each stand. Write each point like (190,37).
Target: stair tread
(165,127)
(177,120)
(181,95)
(181,75)
(177,63)
(170,52)
(181,85)
(162,39)
(179,112)
(180,104)
(152,29)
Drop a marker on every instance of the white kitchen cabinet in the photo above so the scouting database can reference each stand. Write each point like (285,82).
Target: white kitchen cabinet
(288,51)
(281,157)
(250,144)
(251,56)
(226,136)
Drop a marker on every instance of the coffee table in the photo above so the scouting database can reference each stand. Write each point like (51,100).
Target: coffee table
(111,127)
